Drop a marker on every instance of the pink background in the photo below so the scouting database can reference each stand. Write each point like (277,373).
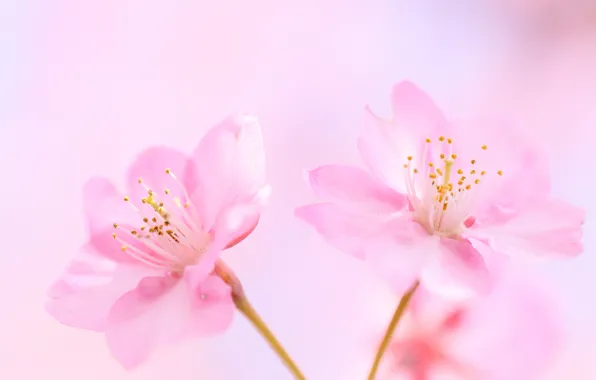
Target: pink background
(87,85)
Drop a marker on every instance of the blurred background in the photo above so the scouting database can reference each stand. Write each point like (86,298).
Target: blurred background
(87,85)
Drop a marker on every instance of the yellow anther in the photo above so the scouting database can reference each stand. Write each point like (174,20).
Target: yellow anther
(410,158)
(167,191)
(430,164)
(168,171)
(472,171)
(460,172)
(124,248)
(114,235)
(140,180)
(442,156)
(482,172)
(133,232)
(477,181)
(484,147)
(442,138)
(500,172)
(126,199)
(428,141)
(439,171)
(415,171)
(473,162)
(468,187)
(115,225)
(453,156)
(406,166)
(432,175)
(449,141)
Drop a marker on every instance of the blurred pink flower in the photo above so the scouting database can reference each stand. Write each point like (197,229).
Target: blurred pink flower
(512,334)
(439,190)
(152,281)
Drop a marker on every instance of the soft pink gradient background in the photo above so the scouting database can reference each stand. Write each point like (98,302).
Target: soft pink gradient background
(86,85)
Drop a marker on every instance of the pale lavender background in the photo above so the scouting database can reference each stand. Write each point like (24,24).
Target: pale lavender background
(86,85)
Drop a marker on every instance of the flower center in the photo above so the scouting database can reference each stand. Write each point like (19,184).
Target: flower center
(443,190)
(165,240)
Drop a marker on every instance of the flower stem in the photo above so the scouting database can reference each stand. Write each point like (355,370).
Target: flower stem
(244,306)
(399,312)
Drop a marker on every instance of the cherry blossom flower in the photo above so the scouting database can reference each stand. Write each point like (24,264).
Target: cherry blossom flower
(436,191)
(512,334)
(145,277)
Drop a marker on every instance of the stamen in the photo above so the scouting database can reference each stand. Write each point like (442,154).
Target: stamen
(442,206)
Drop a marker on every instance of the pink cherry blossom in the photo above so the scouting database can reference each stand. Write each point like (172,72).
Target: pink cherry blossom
(436,192)
(512,334)
(150,280)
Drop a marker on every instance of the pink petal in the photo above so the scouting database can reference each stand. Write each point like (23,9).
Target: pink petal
(89,286)
(104,205)
(545,229)
(230,165)
(413,109)
(346,231)
(355,188)
(385,148)
(458,271)
(237,220)
(165,310)
(150,167)
(399,251)
(235,223)
(385,145)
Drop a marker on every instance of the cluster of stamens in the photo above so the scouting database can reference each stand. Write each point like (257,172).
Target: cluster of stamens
(445,185)
(172,241)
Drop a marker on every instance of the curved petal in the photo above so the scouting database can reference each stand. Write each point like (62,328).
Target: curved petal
(414,110)
(356,189)
(546,229)
(458,271)
(386,145)
(399,252)
(345,231)
(103,205)
(90,285)
(239,219)
(169,175)
(165,310)
(385,149)
(230,165)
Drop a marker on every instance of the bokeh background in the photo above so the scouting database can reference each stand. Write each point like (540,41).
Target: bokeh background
(84,86)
